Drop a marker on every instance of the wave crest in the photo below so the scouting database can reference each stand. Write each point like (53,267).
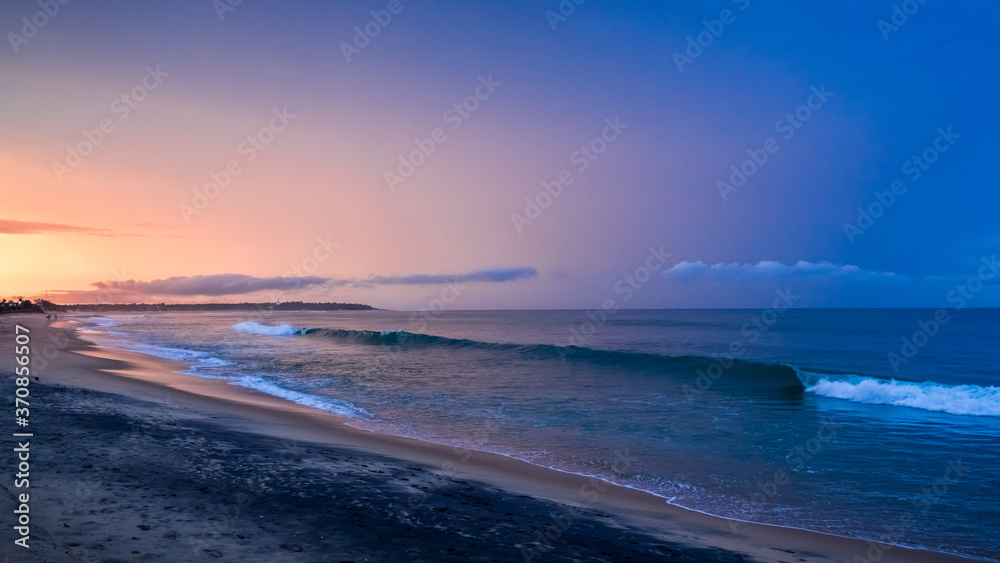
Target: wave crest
(743,375)
(954,399)
(335,406)
(254,327)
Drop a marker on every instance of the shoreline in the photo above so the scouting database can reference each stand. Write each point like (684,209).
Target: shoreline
(85,365)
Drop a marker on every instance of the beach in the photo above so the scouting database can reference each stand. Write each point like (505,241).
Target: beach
(131,460)
(500,281)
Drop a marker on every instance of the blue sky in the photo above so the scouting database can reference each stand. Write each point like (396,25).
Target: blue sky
(925,88)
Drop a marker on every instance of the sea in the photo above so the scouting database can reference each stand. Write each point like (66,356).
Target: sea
(879,424)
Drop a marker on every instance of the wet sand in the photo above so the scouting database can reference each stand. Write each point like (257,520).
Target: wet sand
(132,461)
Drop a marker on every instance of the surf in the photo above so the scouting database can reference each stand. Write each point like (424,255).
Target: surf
(740,374)
(971,400)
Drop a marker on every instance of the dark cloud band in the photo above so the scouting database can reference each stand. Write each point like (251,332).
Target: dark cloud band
(237,284)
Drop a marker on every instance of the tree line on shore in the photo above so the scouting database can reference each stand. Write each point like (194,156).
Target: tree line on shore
(21,305)
(42,306)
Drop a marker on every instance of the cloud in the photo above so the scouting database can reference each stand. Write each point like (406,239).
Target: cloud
(767,270)
(212,286)
(11,227)
(237,284)
(488,276)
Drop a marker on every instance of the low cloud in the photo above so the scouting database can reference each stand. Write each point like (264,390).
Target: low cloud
(10,227)
(210,286)
(765,270)
(488,276)
(238,284)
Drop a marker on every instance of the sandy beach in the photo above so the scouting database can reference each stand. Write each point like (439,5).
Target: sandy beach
(132,461)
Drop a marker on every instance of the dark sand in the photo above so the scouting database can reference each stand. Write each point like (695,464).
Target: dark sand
(132,462)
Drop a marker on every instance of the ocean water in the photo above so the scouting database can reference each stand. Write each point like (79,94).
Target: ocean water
(801,418)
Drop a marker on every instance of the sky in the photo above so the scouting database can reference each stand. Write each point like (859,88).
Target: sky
(515,155)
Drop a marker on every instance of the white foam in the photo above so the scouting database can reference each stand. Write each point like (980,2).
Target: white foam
(194,372)
(199,359)
(955,399)
(101,322)
(335,406)
(258,328)
(179,354)
(213,363)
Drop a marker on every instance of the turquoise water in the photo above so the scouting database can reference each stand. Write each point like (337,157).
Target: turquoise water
(878,424)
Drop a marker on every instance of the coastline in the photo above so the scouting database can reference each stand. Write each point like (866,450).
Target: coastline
(570,501)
